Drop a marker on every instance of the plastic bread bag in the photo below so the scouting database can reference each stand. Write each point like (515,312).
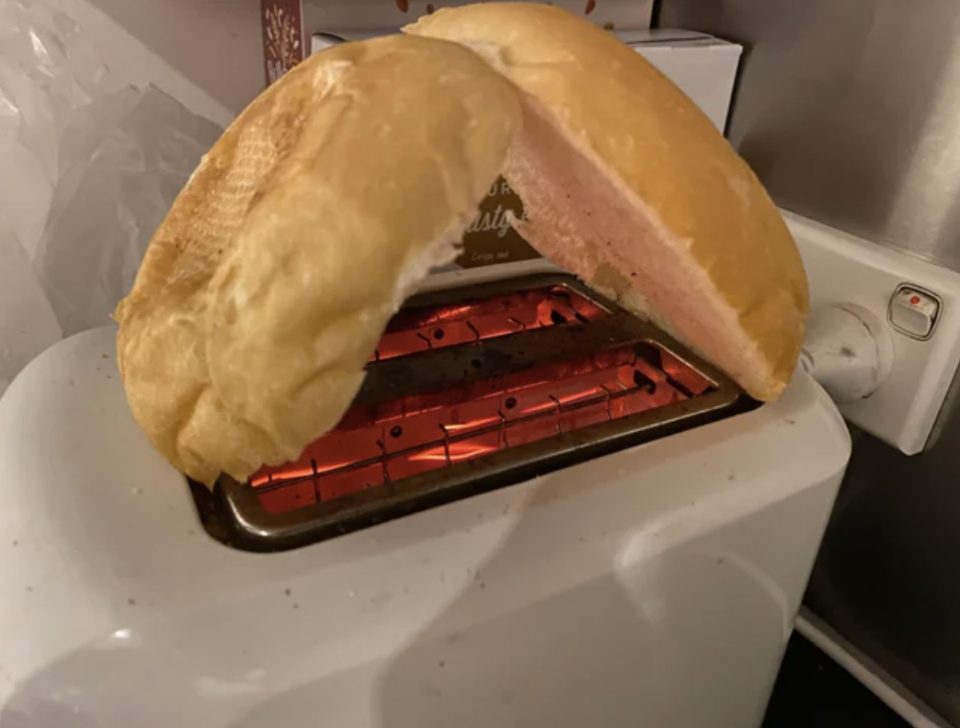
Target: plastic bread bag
(90,168)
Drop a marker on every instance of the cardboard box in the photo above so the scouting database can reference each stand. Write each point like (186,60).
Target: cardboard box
(704,67)
(490,237)
(283,38)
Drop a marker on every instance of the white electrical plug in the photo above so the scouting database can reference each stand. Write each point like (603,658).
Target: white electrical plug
(848,350)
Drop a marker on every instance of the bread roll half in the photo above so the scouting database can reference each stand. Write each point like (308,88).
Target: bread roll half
(266,289)
(627,184)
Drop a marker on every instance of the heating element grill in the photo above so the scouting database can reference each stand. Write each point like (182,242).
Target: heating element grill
(470,390)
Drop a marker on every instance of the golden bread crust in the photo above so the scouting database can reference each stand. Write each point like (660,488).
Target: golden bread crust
(265,291)
(654,143)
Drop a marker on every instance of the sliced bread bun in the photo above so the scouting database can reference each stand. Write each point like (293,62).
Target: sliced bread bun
(627,184)
(266,289)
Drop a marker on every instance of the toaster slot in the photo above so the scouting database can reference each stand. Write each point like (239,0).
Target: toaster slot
(471,390)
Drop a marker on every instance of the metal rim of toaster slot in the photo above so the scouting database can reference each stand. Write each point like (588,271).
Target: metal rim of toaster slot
(234,514)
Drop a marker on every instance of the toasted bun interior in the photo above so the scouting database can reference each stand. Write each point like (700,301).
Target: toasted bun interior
(265,291)
(627,184)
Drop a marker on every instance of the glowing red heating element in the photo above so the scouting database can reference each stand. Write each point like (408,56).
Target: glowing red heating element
(435,327)
(419,433)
